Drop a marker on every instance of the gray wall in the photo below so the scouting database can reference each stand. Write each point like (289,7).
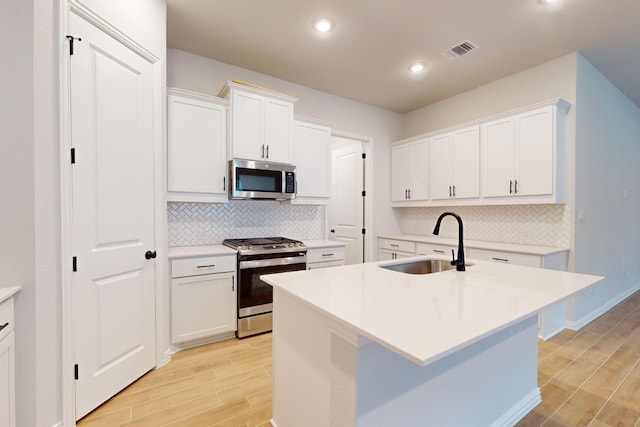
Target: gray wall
(607,160)
(30,239)
(603,154)
(203,75)
(17,191)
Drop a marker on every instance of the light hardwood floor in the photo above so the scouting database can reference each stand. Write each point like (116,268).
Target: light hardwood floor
(589,377)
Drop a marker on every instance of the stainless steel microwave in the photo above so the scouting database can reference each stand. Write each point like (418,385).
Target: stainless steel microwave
(252,179)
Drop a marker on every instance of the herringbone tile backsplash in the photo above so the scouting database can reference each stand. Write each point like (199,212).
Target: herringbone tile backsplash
(208,224)
(541,225)
(205,224)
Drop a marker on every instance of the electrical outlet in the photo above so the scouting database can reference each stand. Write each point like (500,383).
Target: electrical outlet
(580,215)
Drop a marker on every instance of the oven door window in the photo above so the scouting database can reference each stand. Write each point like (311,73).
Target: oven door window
(253,290)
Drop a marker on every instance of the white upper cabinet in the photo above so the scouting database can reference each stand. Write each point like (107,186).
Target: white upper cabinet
(196,143)
(523,155)
(409,175)
(312,158)
(512,158)
(454,164)
(261,123)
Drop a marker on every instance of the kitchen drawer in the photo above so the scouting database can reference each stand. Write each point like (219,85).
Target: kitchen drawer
(435,249)
(397,245)
(202,265)
(506,257)
(314,265)
(6,317)
(336,253)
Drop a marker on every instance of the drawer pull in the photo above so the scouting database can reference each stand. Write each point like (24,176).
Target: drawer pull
(438,251)
(327,254)
(206,266)
(394,245)
(4,326)
(500,259)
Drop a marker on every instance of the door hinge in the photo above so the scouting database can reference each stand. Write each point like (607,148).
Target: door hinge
(73,155)
(364,231)
(364,193)
(75,372)
(364,155)
(71,40)
(75,264)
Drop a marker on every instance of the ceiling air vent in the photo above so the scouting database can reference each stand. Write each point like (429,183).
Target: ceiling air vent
(460,49)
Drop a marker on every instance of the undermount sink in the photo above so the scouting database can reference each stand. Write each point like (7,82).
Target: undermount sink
(425,266)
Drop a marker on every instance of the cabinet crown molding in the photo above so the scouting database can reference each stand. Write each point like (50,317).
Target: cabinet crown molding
(252,88)
(560,103)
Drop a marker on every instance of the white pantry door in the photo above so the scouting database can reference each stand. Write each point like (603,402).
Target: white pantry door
(347,210)
(113,291)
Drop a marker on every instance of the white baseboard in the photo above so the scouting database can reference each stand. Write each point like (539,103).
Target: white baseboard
(519,410)
(576,325)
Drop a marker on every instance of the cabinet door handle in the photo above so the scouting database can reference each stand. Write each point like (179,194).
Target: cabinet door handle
(267,151)
(454,190)
(409,193)
(4,326)
(516,187)
(449,191)
(406,196)
(224,183)
(510,187)
(262,151)
(206,266)
(500,259)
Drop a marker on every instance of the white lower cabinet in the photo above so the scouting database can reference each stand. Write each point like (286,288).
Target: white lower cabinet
(554,261)
(7,365)
(435,249)
(553,318)
(389,249)
(325,257)
(203,298)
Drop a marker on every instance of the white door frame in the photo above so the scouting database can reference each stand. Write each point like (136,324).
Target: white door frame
(160,234)
(367,148)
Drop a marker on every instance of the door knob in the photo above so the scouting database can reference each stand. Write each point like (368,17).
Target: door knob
(150,254)
(333,230)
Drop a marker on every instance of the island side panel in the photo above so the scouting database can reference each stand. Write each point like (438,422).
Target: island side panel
(301,364)
(492,382)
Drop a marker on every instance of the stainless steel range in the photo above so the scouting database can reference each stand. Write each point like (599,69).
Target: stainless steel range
(255,297)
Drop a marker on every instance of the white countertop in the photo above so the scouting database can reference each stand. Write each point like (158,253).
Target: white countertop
(478,244)
(8,292)
(313,244)
(426,317)
(206,250)
(195,251)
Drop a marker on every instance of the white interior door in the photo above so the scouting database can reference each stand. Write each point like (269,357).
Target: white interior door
(112,227)
(346,198)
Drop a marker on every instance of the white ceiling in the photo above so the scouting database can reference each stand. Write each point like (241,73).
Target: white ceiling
(366,57)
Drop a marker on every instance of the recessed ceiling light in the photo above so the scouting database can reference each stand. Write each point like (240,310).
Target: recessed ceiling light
(417,67)
(323,25)
(546,1)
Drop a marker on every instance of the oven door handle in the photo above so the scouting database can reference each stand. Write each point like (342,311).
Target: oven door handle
(273,262)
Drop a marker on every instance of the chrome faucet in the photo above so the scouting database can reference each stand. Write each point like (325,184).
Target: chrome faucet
(459,262)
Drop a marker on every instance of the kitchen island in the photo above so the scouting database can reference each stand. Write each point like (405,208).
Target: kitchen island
(362,345)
